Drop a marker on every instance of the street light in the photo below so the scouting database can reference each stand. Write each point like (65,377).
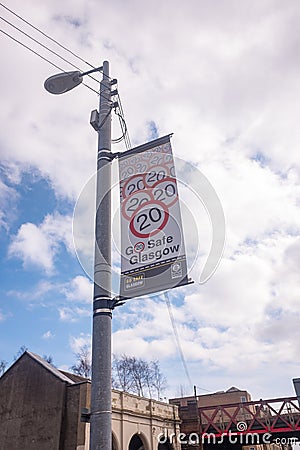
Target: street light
(103,304)
(65,81)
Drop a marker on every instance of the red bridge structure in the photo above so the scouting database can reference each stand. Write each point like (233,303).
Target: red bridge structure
(264,423)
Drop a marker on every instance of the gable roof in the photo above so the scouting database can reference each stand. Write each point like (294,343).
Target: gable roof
(49,367)
(66,377)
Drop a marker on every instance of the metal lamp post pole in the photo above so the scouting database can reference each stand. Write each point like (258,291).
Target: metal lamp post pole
(100,418)
(100,415)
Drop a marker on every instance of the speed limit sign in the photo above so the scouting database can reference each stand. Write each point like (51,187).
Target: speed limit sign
(152,245)
(150,218)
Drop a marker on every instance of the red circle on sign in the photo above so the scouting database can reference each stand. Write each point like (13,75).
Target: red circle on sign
(140,177)
(149,206)
(139,247)
(170,181)
(152,176)
(133,200)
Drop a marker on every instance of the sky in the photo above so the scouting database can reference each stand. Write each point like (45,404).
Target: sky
(223,76)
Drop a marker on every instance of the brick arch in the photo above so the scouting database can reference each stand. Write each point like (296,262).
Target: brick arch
(138,442)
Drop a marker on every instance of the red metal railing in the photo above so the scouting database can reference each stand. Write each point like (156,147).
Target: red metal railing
(278,415)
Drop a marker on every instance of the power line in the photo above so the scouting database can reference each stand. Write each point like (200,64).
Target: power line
(44,46)
(179,347)
(126,134)
(42,57)
(122,121)
(47,36)
(121,116)
(177,339)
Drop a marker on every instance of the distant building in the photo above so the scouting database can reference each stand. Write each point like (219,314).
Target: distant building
(40,409)
(217,411)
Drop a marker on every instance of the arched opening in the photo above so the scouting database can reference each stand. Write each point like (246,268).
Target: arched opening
(166,446)
(136,443)
(114,444)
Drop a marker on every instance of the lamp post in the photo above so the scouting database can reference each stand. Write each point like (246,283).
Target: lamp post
(100,415)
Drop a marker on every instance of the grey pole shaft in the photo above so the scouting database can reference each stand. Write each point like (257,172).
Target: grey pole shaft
(100,419)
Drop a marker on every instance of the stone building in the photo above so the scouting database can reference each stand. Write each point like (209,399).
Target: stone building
(40,409)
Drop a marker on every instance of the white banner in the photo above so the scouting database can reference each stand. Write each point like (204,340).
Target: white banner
(152,246)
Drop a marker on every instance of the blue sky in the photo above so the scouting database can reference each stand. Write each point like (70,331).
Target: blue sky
(223,77)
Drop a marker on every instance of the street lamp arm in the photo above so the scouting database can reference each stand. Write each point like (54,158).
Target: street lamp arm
(97,69)
(65,81)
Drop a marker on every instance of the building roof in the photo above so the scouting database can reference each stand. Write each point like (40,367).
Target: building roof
(75,378)
(62,376)
(234,389)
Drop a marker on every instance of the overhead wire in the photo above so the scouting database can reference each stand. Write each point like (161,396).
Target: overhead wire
(126,137)
(42,57)
(46,35)
(123,123)
(178,344)
(177,339)
(120,114)
(45,46)
(50,38)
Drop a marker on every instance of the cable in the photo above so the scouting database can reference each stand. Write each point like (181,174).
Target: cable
(122,121)
(123,125)
(127,138)
(123,128)
(47,36)
(105,118)
(50,38)
(176,335)
(44,46)
(45,59)
(202,389)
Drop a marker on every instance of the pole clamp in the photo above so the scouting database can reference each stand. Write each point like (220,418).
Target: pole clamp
(106,304)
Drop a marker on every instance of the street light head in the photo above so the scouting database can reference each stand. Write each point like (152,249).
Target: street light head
(63,82)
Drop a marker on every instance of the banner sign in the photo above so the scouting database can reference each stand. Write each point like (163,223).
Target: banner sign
(152,246)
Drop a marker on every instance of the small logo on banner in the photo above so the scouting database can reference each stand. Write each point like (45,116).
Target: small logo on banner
(176,270)
(139,247)
(134,281)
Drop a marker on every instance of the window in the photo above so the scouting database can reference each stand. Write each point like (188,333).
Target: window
(243,400)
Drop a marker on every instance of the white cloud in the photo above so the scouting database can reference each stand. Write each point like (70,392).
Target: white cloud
(77,342)
(2,316)
(228,92)
(79,289)
(48,335)
(38,292)
(39,244)
(74,314)
(8,197)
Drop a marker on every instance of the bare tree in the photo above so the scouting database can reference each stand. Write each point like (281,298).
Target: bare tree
(158,380)
(21,350)
(138,376)
(3,365)
(83,365)
(183,390)
(49,359)
(121,373)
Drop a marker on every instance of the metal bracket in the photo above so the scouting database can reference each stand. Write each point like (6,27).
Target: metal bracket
(94,119)
(85,415)
(107,304)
